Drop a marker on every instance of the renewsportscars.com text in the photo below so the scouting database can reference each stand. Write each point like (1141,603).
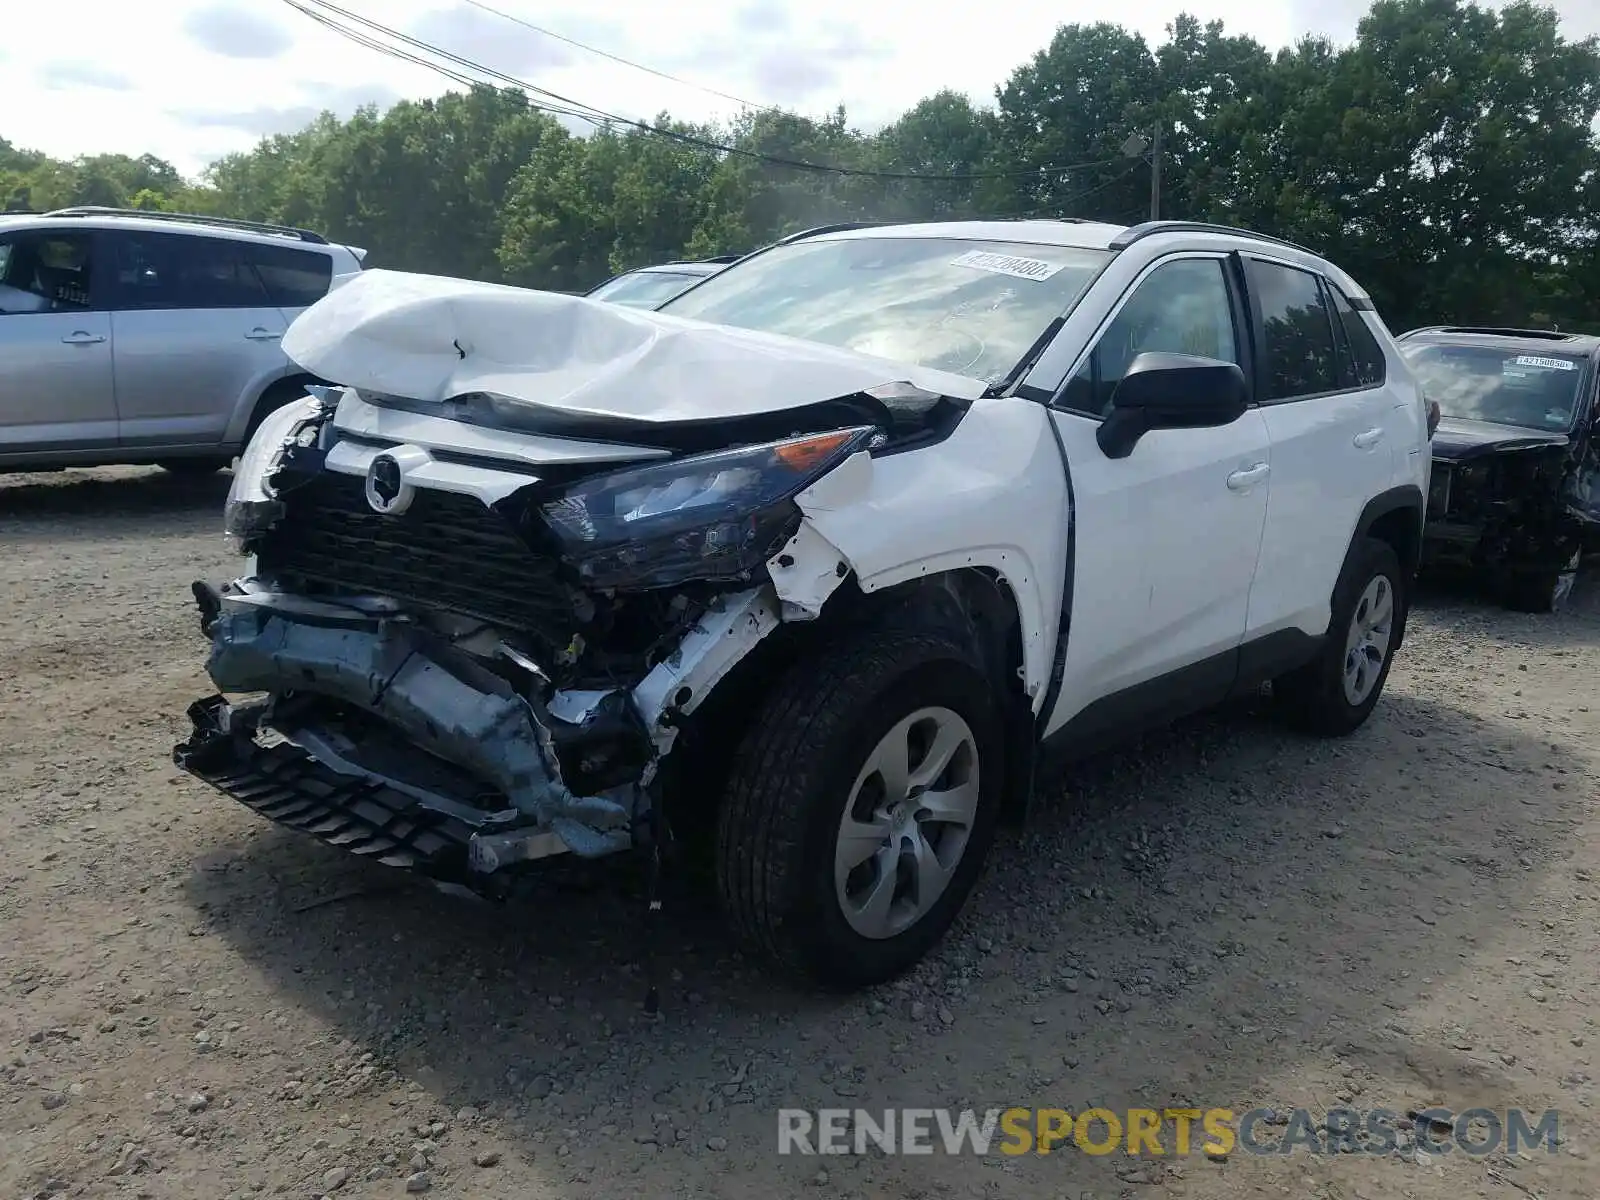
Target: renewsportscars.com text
(1216,1132)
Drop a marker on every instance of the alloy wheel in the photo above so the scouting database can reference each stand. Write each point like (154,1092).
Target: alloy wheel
(909,818)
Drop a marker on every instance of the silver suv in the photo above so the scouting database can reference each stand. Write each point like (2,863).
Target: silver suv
(140,337)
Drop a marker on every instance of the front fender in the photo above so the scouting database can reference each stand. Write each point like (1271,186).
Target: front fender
(992,495)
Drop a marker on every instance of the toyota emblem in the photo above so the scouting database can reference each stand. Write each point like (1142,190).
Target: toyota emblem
(386,487)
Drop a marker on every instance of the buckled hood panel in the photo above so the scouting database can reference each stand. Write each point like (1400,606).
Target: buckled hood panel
(429,338)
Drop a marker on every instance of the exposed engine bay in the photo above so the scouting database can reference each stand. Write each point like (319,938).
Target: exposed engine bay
(459,657)
(1512,503)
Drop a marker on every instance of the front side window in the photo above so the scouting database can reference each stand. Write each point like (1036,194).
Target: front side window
(1181,307)
(1299,347)
(45,272)
(643,289)
(1536,390)
(971,307)
(157,270)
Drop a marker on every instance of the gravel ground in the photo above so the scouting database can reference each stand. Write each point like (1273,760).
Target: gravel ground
(195,1004)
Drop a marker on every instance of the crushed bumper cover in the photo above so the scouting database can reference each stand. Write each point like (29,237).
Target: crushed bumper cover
(489,790)
(365,817)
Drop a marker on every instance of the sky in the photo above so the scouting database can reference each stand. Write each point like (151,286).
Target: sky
(192,80)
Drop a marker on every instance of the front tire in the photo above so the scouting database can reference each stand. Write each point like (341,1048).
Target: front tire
(861,806)
(1335,693)
(1544,591)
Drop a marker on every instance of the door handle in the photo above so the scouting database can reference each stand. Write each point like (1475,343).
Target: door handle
(1368,439)
(260,334)
(82,337)
(1248,476)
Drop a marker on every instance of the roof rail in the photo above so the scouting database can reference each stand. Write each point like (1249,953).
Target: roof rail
(1146,229)
(719,258)
(1553,335)
(96,210)
(836,227)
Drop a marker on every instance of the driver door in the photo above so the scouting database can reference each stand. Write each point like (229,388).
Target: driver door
(1165,540)
(55,345)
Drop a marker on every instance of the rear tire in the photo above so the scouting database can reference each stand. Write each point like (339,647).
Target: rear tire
(803,876)
(1335,693)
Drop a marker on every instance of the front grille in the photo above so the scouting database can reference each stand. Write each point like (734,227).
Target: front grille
(1439,490)
(445,552)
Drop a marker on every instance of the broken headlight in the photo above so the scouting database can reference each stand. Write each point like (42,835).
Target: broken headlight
(252,505)
(712,517)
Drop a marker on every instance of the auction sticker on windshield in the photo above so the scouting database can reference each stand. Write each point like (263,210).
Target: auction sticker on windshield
(1007,264)
(1552,364)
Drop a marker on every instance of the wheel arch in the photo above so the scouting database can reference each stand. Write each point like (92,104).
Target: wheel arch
(268,394)
(978,604)
(1396,517)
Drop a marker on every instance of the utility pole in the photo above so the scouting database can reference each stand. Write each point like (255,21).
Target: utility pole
(1155,175)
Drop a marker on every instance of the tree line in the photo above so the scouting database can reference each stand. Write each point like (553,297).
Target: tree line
(1447,158)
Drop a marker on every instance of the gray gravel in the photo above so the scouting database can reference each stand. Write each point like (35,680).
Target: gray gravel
(193,1003)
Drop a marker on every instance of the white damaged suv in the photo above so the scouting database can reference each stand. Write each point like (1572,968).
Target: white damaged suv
(812,563)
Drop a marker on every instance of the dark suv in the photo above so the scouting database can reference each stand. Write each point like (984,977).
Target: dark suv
(1515,491)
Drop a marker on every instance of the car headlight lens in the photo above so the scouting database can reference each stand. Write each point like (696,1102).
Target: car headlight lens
(713,517)
(252,504)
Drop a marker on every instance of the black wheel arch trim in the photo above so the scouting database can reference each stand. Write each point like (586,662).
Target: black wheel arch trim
(1396,499)
(1407,498)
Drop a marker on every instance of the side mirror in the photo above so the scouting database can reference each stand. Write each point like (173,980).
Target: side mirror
(1171,391)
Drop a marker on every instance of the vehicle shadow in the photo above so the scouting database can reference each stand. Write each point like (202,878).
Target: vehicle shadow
(46,505)
(1184,921)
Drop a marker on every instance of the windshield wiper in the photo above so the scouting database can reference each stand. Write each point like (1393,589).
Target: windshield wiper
(1002,386)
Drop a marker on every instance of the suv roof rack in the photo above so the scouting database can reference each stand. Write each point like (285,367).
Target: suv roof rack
(1552,335)
(1146,229)
(836,227)
(96,210)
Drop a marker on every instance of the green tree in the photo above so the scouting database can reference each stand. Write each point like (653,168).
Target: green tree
(1078,101)
(1447,158)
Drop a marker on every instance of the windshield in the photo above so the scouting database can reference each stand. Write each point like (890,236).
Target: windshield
(643,289)
(1510,387)
(971,307)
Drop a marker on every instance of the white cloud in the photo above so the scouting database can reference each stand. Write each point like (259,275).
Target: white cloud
(237,32)
(66,76)
(204,77)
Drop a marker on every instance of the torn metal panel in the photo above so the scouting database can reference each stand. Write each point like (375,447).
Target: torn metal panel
(806,572)
(979,503)
(429,338)
(714,645)
(440,700)
(357,417)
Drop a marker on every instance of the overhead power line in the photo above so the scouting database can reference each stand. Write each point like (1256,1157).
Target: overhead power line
(616,58)
(370,43)
(576,108)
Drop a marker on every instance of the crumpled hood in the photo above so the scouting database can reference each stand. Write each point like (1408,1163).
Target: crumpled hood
(1458,438)
(429,338)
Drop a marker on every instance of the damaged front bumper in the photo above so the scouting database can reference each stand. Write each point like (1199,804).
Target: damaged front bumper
(378,735)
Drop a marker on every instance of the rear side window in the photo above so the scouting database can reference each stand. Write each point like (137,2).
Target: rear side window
(157,270)
(44,272)
(1361,362)
(294,278)
(1300,354)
